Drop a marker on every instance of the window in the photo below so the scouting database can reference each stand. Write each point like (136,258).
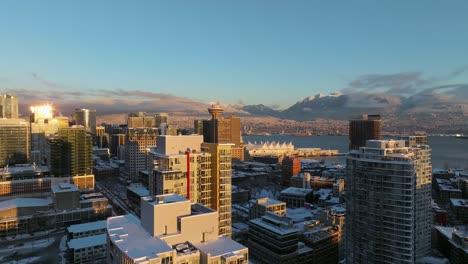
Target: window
(167,260)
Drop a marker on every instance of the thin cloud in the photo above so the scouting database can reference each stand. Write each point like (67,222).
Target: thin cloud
(403,82)
(106,101)
(408,89)
(45,82)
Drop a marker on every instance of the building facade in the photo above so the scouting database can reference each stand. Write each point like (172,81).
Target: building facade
(388,203)
(8,106)
(368,127)
(137,144)
(71,151)
(258,207)
(87,119)
(222,130)
(221,183)
(198,171)
(14,142)
(171,230)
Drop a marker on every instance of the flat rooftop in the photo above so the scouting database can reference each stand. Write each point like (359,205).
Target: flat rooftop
(24,168)
(130,237)
(138,189)
(219,247)
(64,187)
(299,214)
(275,225)
(459,202)
(165,199)
(89,241)
(296,191)
(87,226)
(25,202)
(266,201)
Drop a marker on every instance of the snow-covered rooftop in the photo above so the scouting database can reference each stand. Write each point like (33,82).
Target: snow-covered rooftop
(296,191)
(130,237)
(64,187)
(25,202)
(266,201)
(87,226)
(139,189)
(219,247)
(89,241)
(459,202)
(276,225)
(165,198)
(324,193)
(299,214)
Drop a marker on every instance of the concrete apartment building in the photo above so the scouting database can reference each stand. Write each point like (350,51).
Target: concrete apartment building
(177,159)
(137,144)
(221,193)
(88,249)
(171,230)
(140,120)
(452,243)
(296,197)
(388,203)
(258,207)
(65,196)
(86,229)
(277,239)
(87,243)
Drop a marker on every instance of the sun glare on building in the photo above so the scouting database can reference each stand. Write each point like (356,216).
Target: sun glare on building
(42,111)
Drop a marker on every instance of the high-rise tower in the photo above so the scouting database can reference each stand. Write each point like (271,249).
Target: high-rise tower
(87,119)
(196,170)
(137,144)
(388,203)
(71,151)
(368,127)
(222,130)
(215,110)
(221,174)
(14,141)
(8,106)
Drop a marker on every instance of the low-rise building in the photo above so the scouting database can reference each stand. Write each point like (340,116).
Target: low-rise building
(275,239)
(171,230)
(452,243)
(258,207)
(324,242)
(446,191)
(300,180)
(460,208)
(296,197)
(88,249)
(65,196)
(239,195)
(86,229)
(28,215)
(135,192)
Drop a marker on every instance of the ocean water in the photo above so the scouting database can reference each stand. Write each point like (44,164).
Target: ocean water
(447,152)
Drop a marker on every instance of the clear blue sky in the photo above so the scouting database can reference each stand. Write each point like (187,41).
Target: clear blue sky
(271,52)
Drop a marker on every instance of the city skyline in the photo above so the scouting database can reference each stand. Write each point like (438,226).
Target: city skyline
(174,54)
